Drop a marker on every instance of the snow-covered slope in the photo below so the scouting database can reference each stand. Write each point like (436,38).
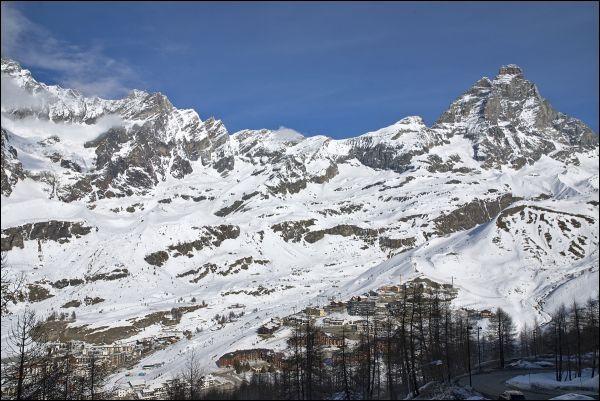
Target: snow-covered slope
(121,210)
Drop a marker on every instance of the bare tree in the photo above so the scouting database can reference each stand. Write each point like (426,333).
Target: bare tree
(96,373)
(24,351)
(192,374)
(577,328)
(591,329)
(502,334)
(9,287)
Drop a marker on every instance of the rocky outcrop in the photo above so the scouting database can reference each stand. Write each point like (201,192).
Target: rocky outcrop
(53,230)
(469,215)
(11,169)
(212,236)
(345,230)
(293,230)
(394,147)
(157,258)
(397,243)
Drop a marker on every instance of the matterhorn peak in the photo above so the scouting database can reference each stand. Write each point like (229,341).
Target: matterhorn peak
(510,69)
(507,73)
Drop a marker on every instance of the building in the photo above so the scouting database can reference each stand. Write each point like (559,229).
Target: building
(362,326)
(328,340)
(361,307)
(268,329)
(318,312)
(329,321)
(335,307)
(485,313)
(248,355)
(295,320)
(391,289)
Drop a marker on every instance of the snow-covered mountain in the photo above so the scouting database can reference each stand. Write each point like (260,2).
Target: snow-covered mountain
(123,209)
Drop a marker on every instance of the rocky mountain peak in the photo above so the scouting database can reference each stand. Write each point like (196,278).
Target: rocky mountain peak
(511,69)
(10,66)
(412,120)
(510,123)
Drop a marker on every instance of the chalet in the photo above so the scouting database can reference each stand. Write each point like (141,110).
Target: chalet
(335,307)
(485,313)
(318,312)
(167,339)
(268,328)
(248,355)
(391,289)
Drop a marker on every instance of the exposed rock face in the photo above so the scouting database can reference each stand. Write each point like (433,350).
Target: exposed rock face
(229,209)
(212,236)
(149,138)
(59,231)
(548,233)
(510,123)
(11,168)
(63,283)
(37,293)
(394,147)
(471,214)
(345,230)
(157,258)
(293,230)
(397,243)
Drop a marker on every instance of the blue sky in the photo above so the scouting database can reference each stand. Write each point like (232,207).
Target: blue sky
(338,69)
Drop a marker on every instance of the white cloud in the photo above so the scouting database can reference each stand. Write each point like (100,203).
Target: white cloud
(88,69)
(286,134)
(16,97)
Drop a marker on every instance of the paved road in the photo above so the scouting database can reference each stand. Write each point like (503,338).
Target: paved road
(492,384)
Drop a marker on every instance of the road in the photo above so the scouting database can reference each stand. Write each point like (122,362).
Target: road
(492,384)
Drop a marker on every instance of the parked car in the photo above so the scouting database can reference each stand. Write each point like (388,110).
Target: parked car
(512,395)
